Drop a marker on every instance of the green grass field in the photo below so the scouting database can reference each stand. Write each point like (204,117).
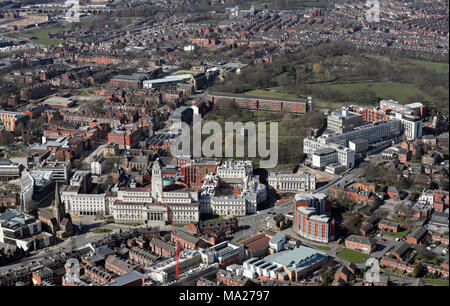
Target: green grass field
(130,223)
(439,67)
(437,282)
(267,93)
(352,255)
(396,235)
(205,217)
(384,90)
(101,230)
(42,35)
(85,94)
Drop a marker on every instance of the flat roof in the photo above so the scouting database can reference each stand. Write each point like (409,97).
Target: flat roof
(225,94)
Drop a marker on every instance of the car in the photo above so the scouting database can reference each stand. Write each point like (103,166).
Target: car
(444,251)
(379,235)
(383,240)
(433,246)
(428,248)
(397,239)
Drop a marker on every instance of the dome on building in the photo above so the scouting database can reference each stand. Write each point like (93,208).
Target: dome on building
(167,182)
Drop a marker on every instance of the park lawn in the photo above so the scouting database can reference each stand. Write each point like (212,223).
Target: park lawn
(384,90)
(101,230)
(396,235)
(439,67)
(437,282)
(328,104)
(352,255)
(205,217)
(268,93)
(401,219)
(42,35)
(130,223)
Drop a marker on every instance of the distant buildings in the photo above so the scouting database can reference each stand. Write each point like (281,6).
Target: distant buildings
(35,91)
(264,103)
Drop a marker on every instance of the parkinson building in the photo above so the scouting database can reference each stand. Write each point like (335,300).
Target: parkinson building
(237,193)
(153,206)
(147,205)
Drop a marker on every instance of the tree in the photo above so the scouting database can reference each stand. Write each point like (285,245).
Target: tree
(414,196)
(417,272)
(7,138)
(317,68)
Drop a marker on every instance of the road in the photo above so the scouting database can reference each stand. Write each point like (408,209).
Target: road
(87,161)
(69,244)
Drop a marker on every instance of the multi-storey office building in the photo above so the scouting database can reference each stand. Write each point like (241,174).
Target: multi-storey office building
(23,231)
(341,121)
(371,132)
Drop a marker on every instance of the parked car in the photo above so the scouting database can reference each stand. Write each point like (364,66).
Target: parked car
(397,239)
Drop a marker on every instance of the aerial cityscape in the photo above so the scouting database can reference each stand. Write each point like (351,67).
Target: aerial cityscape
(224,143)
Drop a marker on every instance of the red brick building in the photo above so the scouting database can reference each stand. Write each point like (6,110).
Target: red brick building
(185,240)
(388,226)
(440,200)
(162,248)
(125,136)
(264,103)
(418,236)
(229,279)
(194,173)
(360,243)
(117,265)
